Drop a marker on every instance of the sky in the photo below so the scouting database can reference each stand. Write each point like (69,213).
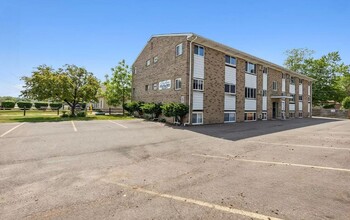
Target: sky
(97,34)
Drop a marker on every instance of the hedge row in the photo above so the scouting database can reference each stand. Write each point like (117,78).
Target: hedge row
(176,110)
(28,105)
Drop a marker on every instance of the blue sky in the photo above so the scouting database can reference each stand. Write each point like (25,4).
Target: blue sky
(97,34)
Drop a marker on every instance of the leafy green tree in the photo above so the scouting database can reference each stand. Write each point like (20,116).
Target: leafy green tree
(346,102)
(70,84)
(327,71)
(155,109)
(176,110)
(118,86)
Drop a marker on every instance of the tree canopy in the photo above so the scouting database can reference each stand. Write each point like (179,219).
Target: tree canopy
(330,73)
(118,86)
(70,84)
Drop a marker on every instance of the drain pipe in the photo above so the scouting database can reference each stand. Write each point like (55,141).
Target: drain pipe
(190,83)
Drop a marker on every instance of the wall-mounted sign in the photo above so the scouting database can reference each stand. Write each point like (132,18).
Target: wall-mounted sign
(165,84)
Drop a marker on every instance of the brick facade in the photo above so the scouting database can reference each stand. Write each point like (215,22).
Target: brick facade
(170,67)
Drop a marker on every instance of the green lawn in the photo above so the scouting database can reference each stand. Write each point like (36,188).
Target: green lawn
(50,116)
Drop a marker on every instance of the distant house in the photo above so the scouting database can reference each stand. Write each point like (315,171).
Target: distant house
(102,102)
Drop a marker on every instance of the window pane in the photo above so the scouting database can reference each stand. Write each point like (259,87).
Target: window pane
(227,88)
(200,118)
(201,51)
(226,117)
(232,90)
(227,59)
(195,49)
(194,118)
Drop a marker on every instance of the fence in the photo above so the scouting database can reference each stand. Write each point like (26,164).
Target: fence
(333,113)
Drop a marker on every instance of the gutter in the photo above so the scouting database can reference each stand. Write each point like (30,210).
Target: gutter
(190,82)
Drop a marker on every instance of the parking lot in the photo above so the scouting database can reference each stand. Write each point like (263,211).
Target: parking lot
(133,169)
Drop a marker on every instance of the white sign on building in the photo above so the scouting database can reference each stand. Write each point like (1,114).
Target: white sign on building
(166,84)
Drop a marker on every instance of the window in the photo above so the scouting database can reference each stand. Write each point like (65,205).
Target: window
(300,114)
(292,80)
(283,76)
(300,98)
(291,114)
(155,59)
(134,70)
(264,92)
(292,100)
(309,99)
(197,118)
(178,84)
(133,91)
(301,81)
(230,60)
(229,117)
(148,62)
(265,70)
(250,116)
(230,88)
(155,86)
(146,87)
(250,93)
(178,49)
(274,85)
(250,67)
(264,116)
(198,84)
(198,50)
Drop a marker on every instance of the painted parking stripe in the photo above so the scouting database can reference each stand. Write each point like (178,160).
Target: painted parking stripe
(230,157)
(118,124)
(74,128)
(12,129)
(200,203)
(299,145)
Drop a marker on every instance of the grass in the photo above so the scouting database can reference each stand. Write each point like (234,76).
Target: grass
(50,116)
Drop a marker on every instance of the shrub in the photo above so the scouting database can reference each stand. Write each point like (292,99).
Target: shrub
(177,110)
(81,114)
(346,103)
(8,104)
(39,105)
(64,115)
(155,109)
(328,106)
(55,106)
(132,107)
(23,105)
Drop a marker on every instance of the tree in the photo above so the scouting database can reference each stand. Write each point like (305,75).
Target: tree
(327,71)
(346,103)
(118,87)
(70,84)
(176,110)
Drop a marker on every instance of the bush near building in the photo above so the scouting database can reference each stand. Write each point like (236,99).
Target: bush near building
(132,107)
(155,109)
(176,110)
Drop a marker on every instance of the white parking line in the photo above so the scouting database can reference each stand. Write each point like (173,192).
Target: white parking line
(299,145)
(74,128)
(200,203)
(11,129)
(118,124)
(272,162)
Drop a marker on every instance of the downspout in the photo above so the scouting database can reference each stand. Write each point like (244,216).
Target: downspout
(190,84)
(311,99)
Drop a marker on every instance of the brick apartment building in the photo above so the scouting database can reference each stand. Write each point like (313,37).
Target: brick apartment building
(219,83)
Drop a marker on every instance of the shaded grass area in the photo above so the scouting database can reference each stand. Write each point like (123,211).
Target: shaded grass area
(50,116)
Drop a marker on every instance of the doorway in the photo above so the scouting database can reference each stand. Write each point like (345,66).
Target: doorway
(274,110)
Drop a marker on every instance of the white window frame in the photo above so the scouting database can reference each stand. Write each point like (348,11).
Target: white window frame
(264,116)
(199,47)
(230,59)
(249,93)
(135,70)
(178,50)
(234,113)
(247,117)
(249,71)
(265,70)
(177,86)
(264,93)
(292,100)
(148,62)
(300,114)
(155,59)
(274,86)
(197,113)
(230,92)
(292,80)
(198,89)
(155,86)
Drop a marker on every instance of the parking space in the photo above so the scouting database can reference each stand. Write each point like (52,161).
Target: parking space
(132,169)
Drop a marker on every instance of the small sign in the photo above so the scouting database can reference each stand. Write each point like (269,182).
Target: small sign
(182,99)
(165,84)
(332,110)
